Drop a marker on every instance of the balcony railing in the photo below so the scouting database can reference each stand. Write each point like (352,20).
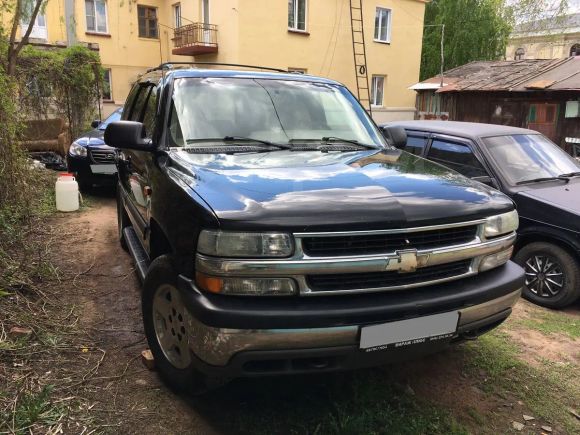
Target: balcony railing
(194,39)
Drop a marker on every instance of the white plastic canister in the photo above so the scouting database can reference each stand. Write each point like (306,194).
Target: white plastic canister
(67,193)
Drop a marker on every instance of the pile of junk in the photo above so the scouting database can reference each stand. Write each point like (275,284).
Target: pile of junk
(47,142)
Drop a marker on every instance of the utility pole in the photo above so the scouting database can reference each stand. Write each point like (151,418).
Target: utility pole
(442,51)
(442,47)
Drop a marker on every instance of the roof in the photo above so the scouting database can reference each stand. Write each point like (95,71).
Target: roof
(509,75)
(203,72)
(469,130)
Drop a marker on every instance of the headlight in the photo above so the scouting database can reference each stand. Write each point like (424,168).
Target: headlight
(495,260)
(241,244)
(246,286)
(77,150)
(502,224)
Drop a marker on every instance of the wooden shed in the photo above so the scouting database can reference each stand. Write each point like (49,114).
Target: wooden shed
(542,95)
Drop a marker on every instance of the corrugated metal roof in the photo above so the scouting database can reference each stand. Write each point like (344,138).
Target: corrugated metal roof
(512,75)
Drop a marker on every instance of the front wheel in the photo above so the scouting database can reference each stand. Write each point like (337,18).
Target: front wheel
(552,274)
(164,317)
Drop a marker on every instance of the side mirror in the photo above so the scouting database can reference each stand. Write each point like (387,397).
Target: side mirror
(486,179)
(128,135)
(96,123)
(396,136)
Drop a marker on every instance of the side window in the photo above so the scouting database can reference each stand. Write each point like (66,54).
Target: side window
(129,103)
(150,113)
(139,104)
(416,145)
(456,156)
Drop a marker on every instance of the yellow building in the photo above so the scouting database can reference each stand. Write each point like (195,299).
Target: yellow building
(546,39)
(313,36)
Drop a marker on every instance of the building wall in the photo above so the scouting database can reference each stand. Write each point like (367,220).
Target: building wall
(325,48)
(256,32)
(543,47)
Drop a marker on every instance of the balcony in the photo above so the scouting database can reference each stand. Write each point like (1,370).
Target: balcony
(195,39)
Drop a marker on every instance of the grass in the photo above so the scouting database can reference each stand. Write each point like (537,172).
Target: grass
(362,402)
(553,322)
(30,410)
(548,392)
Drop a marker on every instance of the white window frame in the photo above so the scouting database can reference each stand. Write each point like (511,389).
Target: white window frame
(295,28)
(177,15)
(110,75)
(377,33)
(374,93)
(95,30)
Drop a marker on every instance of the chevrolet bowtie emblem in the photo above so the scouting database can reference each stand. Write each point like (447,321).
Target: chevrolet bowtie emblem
(406,263)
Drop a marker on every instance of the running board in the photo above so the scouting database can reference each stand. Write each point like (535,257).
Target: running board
(139,255)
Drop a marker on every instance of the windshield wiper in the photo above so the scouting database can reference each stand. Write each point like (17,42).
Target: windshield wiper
(570,174)
(240,139)
(538,180)
(329,139)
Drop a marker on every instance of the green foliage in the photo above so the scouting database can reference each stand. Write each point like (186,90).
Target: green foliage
(13,166)
(32,409)
(62,82)
(474,30)
(363,402)
(549,389)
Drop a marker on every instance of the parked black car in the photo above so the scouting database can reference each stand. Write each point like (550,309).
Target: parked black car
(542,179)
(90,159)
(276,231)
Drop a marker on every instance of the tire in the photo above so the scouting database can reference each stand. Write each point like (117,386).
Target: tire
(552,274)
(164,322)
(122,221)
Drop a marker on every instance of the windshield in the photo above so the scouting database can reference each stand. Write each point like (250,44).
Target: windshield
(115,116)
(280,111)
(524,157)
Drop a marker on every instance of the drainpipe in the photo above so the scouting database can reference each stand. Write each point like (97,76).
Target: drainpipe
(70,22)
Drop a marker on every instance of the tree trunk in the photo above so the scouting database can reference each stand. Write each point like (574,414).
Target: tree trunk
(13,47)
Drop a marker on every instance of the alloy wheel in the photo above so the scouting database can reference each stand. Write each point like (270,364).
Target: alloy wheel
(544,276)
(170,327)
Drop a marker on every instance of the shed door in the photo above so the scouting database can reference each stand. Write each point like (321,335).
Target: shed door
(543,118)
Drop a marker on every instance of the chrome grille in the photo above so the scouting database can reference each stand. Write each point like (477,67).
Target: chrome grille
(102,157)
(350,262)
(369,244)
(353,281)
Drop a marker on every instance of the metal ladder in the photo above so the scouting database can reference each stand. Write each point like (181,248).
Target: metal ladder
(360,54)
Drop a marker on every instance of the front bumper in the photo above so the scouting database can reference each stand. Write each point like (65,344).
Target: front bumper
(241,336)
(81,167)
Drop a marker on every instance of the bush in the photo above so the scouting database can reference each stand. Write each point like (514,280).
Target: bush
(62,82)
(14,170)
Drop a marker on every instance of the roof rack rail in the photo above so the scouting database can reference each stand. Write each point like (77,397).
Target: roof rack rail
(169,65)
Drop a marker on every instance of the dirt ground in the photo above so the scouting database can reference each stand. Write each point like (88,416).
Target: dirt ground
(124,397)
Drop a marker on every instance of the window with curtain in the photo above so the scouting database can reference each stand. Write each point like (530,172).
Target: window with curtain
(377,90)
(96,15)
(297,14)
(147,21)
(383,25)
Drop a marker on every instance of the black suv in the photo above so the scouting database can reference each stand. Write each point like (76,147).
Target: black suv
(276,231)
(538,175)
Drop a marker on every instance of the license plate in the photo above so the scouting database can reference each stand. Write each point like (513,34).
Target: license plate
(419,330)
(104,169)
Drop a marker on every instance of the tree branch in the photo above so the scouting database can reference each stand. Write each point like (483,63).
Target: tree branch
(14,51)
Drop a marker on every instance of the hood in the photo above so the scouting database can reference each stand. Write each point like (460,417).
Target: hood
(554,204)
(93,138)
(311,190)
